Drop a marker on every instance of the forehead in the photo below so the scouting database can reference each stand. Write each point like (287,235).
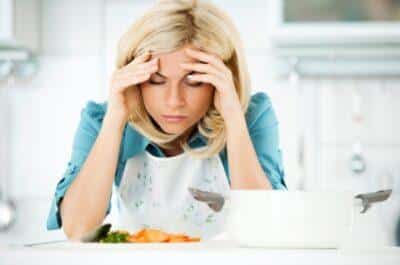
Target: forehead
(169,63)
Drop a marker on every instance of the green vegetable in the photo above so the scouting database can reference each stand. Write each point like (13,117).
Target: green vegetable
(116,237)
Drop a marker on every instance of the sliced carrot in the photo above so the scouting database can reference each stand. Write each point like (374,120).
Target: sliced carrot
(154,235)
(147,235)
(140,239)
(176,239)
(140,232)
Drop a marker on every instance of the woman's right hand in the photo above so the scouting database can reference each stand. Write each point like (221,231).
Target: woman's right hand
(124,93)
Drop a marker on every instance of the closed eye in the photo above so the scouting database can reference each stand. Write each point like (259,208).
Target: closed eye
(155,83)
(187,81)
(194,84)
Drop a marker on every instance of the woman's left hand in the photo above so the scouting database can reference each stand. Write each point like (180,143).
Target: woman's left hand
(214,71)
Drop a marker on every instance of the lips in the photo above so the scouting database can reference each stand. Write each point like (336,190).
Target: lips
(174,118)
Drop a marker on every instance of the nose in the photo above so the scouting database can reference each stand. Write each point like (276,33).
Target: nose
(175,97)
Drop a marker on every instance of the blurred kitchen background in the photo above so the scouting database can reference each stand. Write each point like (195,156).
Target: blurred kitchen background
(331,67)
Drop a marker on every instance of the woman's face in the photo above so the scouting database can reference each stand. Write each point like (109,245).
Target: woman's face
(169,92)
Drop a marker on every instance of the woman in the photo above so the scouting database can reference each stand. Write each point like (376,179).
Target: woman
(178,115)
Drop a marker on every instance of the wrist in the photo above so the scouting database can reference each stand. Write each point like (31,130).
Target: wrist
(113,121)
(234,121)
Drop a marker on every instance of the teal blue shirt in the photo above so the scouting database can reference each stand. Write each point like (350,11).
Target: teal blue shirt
(261,123)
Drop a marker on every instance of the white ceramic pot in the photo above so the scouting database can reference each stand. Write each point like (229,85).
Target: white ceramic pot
(295,219)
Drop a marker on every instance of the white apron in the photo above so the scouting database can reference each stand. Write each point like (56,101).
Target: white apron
(153,193)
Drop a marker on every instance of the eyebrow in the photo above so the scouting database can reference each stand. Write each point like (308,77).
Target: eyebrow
(191,72)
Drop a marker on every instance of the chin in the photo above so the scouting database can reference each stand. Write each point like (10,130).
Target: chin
(172,129)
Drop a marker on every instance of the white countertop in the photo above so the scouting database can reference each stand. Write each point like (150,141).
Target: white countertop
(202,253)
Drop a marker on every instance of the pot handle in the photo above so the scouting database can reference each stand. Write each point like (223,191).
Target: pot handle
(373,197)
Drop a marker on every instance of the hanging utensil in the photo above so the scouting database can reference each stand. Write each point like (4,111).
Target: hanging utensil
(7,205)
(7,213)
(357,161)
(294,75)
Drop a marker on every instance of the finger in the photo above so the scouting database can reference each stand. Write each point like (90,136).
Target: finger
(140,69)
(207,78)
(207,58)
(139,78)
(152,62)
(150,69)
(129,76)
(123,83)
(141,66)
(202,68)
(140,59)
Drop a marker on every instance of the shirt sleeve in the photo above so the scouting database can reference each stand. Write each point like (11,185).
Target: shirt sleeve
(89,126)
(264,133)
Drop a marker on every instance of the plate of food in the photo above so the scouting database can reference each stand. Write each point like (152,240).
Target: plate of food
(104,237)
(146,235)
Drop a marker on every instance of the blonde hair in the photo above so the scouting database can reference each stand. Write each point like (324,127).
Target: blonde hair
(168,26)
